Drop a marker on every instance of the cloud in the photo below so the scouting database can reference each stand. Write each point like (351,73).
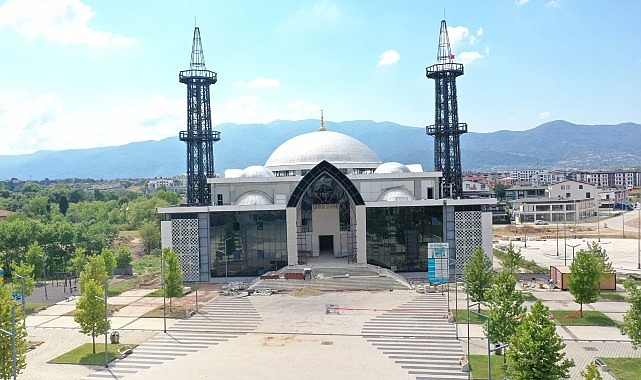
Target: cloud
(29,123)
(544,115)
(553,4)
(468,57)
(457,35)
(389,57)
(321,15)
(300,110)
(259,82)
(521,2)
(61,21)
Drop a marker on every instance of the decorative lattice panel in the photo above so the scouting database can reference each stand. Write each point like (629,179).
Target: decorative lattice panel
(469,236)
(184,240)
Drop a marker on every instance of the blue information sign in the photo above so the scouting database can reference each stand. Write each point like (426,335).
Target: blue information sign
(437,262)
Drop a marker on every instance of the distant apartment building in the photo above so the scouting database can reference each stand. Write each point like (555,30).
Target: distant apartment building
(536,176)
(609,179)
(565,201)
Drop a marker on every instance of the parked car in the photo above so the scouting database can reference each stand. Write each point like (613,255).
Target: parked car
(540,222)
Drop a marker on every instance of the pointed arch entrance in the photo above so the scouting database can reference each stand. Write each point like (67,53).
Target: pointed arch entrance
(326,203)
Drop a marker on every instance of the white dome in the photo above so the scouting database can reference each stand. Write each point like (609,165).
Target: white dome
(252,198)
(391,167)
(311,148)
(397,194)
(257,172)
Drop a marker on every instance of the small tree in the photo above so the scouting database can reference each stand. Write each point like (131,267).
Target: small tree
(585,276)
(150,235)
(173,275)
(110,260)
(591,372)
(632,318)
(94,271)
(536,350)
(6,350)
(477,275)
(90,311)
(512,260)
(506,309)
(123,257)
(604,261)
(26,271)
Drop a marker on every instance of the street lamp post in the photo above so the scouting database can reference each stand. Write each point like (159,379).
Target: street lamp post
(164,292)
(12,333)
(44,274)
(573,246)
(557,234)
(106,326)
(639,237)
(23,291)
(489,361)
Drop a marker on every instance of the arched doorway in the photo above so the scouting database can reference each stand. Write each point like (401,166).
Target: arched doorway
(325,201)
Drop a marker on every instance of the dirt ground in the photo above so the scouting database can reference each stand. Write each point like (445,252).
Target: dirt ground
(588,230)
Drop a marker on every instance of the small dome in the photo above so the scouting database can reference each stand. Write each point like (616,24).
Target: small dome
(311,148)
(257,172)
(397,194)
(391,167)
(252,198)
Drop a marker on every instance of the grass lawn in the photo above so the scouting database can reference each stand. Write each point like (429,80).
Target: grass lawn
(528,296)
(177,312)
(33,307)
(479,366)
(155,293)
(84,354)
(461,316)
(624,368)
(147,263)
(590,318)
(122,286)
(611,295)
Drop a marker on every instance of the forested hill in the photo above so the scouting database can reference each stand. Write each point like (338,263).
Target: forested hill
(557,144)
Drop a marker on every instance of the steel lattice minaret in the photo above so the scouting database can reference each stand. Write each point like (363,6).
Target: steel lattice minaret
(446,129)
(199,137)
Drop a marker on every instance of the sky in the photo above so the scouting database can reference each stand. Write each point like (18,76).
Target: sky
(82,74)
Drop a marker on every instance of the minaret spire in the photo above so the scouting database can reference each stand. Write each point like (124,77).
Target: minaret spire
(199,136)
(446,129)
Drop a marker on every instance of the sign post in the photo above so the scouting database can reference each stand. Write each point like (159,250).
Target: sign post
(438,262)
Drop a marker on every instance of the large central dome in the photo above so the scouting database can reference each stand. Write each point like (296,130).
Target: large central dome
(309,149)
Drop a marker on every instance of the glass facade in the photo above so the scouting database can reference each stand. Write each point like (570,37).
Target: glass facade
(256,242)
(397,237)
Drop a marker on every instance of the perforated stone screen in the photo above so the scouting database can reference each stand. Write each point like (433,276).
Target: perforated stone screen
(469,235)
(184,240)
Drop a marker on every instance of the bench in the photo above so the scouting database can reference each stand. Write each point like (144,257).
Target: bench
(601,364)
(124,351)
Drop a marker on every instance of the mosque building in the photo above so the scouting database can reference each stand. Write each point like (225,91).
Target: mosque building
(323,195)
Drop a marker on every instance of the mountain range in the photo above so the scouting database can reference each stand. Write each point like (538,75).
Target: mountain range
(557,144)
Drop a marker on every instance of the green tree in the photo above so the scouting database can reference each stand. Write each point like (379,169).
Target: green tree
(26,271)
(591,372)
(90,310)
(110,260)
(604,261)
(477,275)
(63,204)
(34,258)
(78,261)
(499,190)
(150,235)
(94,270)
(632,318)
(536,350)
(512,260)
(6,350)
(173,275)
(123,257)
(584,279)
(505,305)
